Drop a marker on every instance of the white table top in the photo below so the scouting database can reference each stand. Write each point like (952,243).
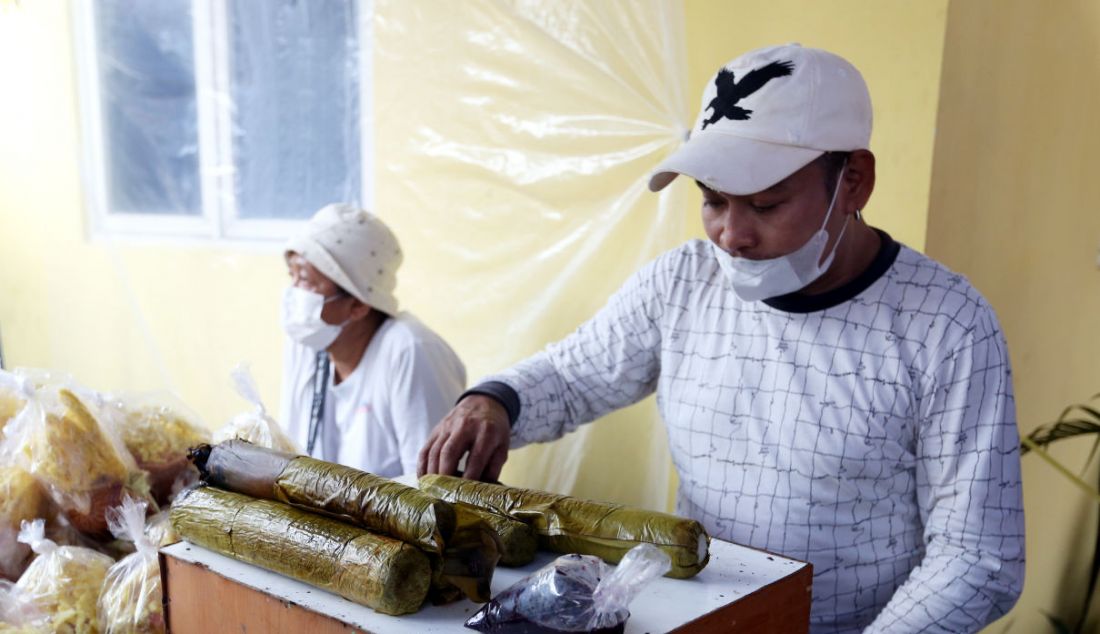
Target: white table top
(733,571)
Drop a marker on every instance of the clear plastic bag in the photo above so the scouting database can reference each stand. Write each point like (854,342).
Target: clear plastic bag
(17,615)
(22,498)
(15,391)
(159,531)
(69,442)
(62,583)
(131,601)
(574,593)
(158,431)
(256,427)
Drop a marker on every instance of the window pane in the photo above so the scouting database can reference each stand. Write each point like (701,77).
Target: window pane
(147,87)
(295,91)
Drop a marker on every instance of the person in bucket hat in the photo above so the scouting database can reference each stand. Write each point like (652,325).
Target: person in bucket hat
(363,382)
(829,393)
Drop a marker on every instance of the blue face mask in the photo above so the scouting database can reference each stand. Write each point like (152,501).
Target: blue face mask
(754,280)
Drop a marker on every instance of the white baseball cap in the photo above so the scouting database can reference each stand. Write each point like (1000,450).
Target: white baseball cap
(767,114)
(355,250)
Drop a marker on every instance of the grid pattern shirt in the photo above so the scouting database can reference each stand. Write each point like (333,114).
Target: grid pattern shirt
(870,431)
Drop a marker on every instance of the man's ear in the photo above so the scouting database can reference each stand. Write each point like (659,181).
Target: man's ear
(859,180)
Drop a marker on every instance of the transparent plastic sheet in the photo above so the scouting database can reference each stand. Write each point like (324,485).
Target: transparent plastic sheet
(63,582)
(256,427)
(131,601)
(511,142)
(513,146)
(573,593)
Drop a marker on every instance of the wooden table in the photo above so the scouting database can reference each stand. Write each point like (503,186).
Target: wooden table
(740,590)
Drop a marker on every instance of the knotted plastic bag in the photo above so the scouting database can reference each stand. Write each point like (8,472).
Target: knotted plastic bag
(574,593)
(257,427)
(131,601)
(62,583)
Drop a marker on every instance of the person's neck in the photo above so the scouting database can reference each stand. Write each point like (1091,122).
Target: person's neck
(856,252)
(347,351)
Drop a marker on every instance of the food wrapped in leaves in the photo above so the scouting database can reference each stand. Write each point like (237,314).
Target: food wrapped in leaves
(571,525)
(159,433)
(21,499)
(63,582)
(256,427)
(373,502)
(76,455)
(380,572)
(130,601)
(518,541)
(462,564)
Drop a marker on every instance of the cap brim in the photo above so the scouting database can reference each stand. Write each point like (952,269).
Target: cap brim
(732,164)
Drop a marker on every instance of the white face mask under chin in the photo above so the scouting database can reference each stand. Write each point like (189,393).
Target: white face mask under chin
(754,280)
(302,319)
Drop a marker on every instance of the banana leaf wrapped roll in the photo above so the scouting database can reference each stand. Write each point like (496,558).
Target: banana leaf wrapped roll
(373,502)
(379,572)
(517,540)
(566,524)
(468,562)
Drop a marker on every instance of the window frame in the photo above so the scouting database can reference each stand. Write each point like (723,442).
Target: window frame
(218,220)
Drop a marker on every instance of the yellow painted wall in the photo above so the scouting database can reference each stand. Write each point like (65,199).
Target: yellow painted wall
(1015,205)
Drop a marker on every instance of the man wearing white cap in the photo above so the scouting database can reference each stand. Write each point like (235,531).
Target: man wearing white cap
(829,394)
(363,384)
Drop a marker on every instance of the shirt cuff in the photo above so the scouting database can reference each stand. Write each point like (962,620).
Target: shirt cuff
(501,393)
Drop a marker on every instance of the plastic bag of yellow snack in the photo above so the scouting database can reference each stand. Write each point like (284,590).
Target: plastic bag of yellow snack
(257,427)
(131,601)
(22,498)
(71,445)
(18,615)
(15,390)
(63,582)
(158,430)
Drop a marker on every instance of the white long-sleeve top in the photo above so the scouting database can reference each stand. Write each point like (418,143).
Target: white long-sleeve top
(870,431)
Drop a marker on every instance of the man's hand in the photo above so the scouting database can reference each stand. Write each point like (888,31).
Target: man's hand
(478,424)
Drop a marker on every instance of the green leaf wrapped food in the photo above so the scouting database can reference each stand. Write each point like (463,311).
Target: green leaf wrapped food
(571,525)
(518,541)
(379,572)
(462,564)
(373,502)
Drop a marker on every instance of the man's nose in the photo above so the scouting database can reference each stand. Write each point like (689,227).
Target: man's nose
(736,233)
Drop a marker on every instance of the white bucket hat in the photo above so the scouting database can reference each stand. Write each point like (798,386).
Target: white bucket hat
(355,250)
(767,114)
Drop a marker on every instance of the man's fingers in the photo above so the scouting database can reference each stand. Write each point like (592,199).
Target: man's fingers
(496,463)
(453,447)
(422,455)
(479,455)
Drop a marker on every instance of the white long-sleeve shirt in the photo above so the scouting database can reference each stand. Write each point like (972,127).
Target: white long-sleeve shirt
(870,430)
(380,415)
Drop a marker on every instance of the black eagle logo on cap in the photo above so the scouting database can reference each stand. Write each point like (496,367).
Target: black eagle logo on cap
(730,91)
